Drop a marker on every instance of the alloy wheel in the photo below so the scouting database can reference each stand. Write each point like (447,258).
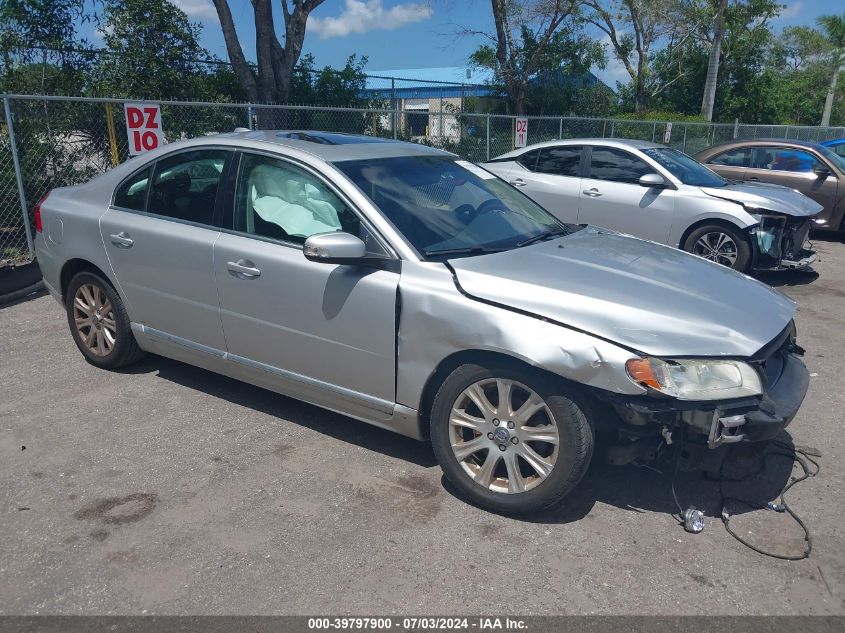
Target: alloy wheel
(717,247)
(503,435)
(93,316)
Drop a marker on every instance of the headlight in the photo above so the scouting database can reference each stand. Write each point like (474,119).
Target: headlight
(696,379)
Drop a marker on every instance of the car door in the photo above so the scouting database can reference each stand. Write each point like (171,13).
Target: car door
(731,164)
(159,236)
(612,197)
(793,167)
(327,329)
(554,180)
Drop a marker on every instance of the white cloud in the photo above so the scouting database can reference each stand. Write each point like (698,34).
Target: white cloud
(615,69)
(791,10)
(197,9)
(360,16)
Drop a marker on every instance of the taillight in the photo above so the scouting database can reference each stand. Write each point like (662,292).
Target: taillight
(38,226)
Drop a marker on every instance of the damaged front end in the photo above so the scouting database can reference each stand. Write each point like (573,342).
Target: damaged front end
(780,242)
(642,429)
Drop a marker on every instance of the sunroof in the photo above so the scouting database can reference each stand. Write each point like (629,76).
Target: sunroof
(331,138)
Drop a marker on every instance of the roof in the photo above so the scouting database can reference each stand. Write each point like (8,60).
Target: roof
(607,142)
(329,146)
(765,141)
(445,74)
(453,81)
(833,142)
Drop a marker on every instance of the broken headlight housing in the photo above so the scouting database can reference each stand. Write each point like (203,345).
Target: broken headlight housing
(696,379)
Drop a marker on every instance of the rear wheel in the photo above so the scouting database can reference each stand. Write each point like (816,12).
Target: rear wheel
(509,439)
(99,323)
(722,244)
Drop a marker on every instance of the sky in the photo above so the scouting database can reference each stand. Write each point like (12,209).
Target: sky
(409,33)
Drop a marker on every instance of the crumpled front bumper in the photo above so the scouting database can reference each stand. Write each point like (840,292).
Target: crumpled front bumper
(776,409)
(706,426)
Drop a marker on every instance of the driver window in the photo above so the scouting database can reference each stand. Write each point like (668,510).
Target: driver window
(278,200)
(617,165)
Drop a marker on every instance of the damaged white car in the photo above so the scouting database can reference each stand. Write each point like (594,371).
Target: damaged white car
(660,194)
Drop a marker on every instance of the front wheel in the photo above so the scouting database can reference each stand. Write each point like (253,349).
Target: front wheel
(509,440)
(721,244)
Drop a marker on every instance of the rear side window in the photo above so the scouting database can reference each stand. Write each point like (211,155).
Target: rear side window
(528,159)
(617,165)
(185,185)
(132,194)
(561,161)
(732,158)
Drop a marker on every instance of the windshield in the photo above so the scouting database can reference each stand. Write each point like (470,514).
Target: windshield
(685,168)
(446,207)
(833,157)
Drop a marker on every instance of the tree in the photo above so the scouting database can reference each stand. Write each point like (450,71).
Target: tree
(39,46)
(713,64)
(834,30)
(634,27)
(530,37)
(153,51)
(271,81)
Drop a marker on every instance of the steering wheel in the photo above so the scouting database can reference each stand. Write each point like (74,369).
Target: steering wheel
(494,205)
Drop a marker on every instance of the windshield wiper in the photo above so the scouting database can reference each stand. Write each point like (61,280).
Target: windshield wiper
(545,235)
(464,250)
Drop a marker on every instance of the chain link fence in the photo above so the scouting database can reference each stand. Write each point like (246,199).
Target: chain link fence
(61,141)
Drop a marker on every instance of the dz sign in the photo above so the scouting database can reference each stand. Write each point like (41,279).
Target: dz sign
(143,127)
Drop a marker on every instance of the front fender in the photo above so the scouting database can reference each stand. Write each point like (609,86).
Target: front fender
(709,210)
(437,321)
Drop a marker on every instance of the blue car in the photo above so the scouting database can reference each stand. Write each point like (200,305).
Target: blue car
(837,145)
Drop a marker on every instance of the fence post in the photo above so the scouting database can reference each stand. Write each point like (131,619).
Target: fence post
(115,159)
(442,134)
(18,175)
(685,139)
(560,129)
(736,127)
(249,115)
(488,137)
(653,131)
(395,104)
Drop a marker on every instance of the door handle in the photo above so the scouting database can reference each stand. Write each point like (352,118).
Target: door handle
(593,193)
(518,182)
(122,240)
(243,269)
(753,178)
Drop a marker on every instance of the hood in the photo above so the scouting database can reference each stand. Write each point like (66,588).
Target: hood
(645,296)
(767,197)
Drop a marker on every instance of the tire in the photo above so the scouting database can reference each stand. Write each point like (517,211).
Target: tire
(111,343)
(706,241)
(493,486)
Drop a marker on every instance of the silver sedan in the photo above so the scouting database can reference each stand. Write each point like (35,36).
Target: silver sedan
(661,194)
(417,292)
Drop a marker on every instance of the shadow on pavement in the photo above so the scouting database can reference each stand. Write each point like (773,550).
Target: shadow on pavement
(759,479)
(631,488)
(332,424)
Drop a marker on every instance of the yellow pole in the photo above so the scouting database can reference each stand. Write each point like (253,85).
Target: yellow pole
(115,160)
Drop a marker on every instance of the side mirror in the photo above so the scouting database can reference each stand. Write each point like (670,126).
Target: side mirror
(821,171)
(335,248)
(652,180)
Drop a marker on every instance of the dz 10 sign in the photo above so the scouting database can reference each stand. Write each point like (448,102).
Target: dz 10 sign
(143,127)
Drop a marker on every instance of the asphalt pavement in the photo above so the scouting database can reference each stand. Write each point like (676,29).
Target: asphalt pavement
(167,489)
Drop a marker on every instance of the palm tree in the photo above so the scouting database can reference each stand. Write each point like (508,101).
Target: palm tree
(713,66)
(834,30)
